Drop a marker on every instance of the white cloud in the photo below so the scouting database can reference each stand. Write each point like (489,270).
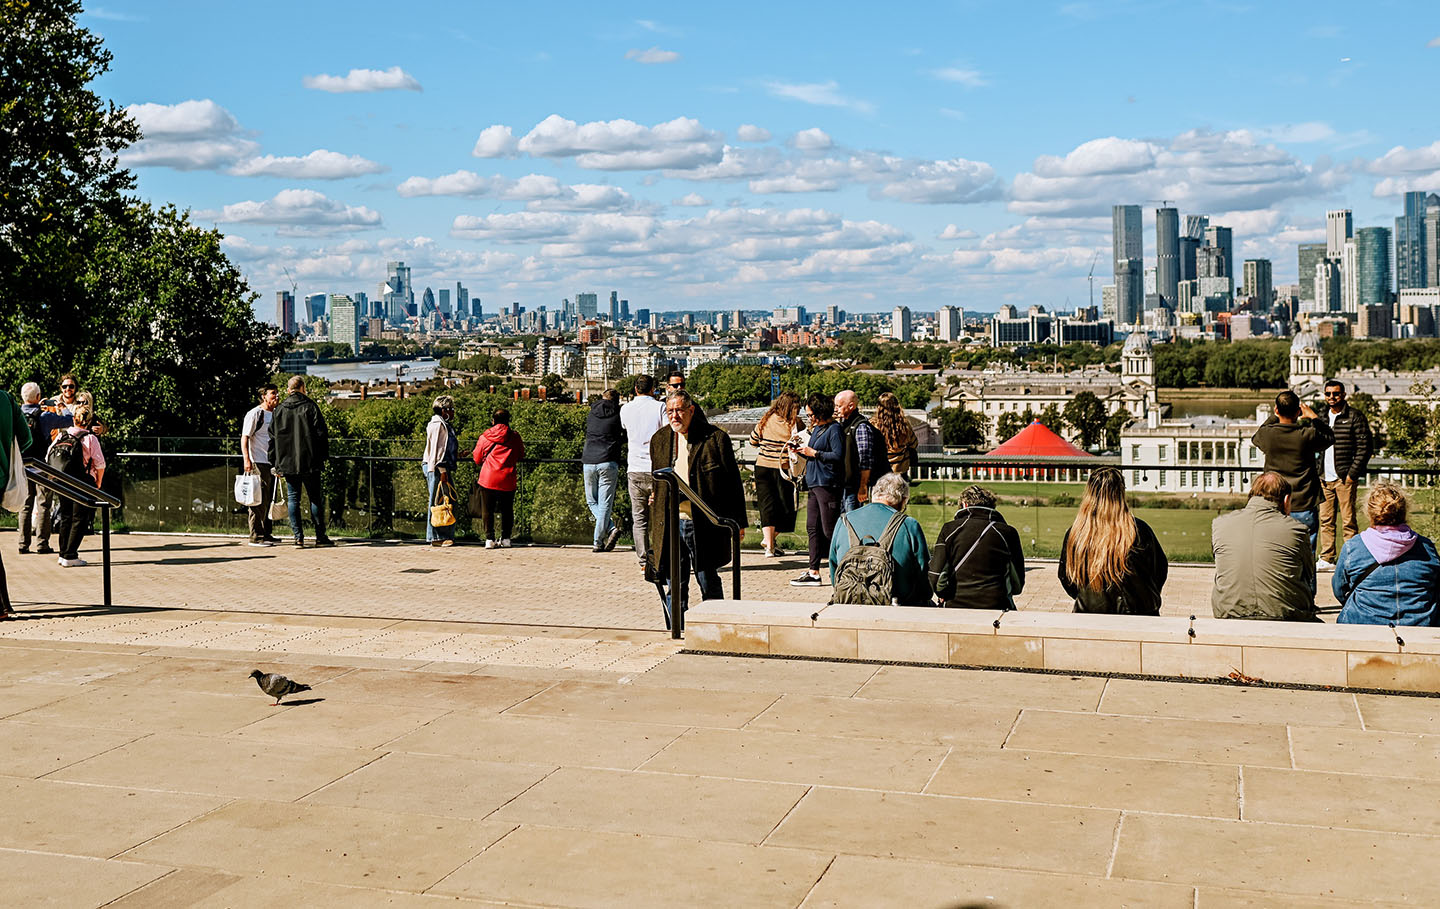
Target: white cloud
(297,212)
(1433,42)
(970,78)
(526,226)
(496,142)
(812,139)
(1407,169)
(650,25)
(823,94)
(365,80)
(1098,157)
(682,143)
(320,164)
(652,55)
(1311,131)
(951,232)
(191,135)
(691,200)
(748,132)
(541,191)
(936,182)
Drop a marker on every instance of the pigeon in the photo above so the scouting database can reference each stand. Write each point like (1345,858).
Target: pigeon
(276,685)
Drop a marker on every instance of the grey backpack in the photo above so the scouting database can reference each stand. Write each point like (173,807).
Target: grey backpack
(866,573)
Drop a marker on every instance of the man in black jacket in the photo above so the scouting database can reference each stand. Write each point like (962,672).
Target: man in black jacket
(977,562)
(299,448)
(601,458)
(1292,439)
(1342,470)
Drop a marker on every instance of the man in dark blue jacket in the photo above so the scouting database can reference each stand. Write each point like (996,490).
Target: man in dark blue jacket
(603,435)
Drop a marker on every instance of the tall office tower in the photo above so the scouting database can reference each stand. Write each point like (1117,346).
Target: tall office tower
(1349,277)
(722,321)
(1107,303)
(1410,266)
(1338,229)
(1195,226)
(362,304)
(948,320)
(1259,283)
(1432,240)
(314,307)
(345,322)
(442,300)
(587,305)
(1222,238)
(515,309)
(1310,255)
(687,321)
(462,300)
(1328,293)
(399,295)
(285,311)
(1129,291)
(1167,255)
(1189,247)
(625,311)
(739,320)
(644,317)
(427,302)
(1372,266)
(900,323)
(614,308)
(477,309)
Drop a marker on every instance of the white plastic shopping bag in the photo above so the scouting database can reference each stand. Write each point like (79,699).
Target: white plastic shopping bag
(248,490)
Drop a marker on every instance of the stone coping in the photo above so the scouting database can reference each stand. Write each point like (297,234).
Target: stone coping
(1373,657)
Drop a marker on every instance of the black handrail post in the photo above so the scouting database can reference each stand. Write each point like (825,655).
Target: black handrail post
(105,542)
(735,562)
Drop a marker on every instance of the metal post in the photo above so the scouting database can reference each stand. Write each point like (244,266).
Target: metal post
(673,542)
(105,542)
(735,563)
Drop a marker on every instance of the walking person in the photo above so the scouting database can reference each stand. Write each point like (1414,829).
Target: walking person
(498,452)
(641,418)
(775,493)
(14,428)
(43,425)
(442,452)
(255,449)
(824,479)
(299,448)
(865,460)
(1110,560)
(76,453)
(896,434)
(1342,469)
(1292,439)
(601,457)
(701,454)
(1388,574)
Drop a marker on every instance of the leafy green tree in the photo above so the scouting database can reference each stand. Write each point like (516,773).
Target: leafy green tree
(1116,422)
(962,428)
(1406,428)
(1086,415)
(1010,423)
(1049,418)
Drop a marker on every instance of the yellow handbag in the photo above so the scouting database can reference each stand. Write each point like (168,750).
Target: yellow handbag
(441,513)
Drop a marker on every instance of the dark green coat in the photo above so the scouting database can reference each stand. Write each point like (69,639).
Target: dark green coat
(714,476)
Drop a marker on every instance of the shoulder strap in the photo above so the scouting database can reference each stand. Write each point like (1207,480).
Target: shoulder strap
(850,528)
(892,530)
(973,546)
(1358,581)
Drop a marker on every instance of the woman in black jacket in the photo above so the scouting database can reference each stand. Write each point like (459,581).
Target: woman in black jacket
(1110,560)
(977,562)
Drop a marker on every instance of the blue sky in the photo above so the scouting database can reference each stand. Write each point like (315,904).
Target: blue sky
(758,154)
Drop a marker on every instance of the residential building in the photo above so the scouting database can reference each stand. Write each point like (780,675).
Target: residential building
(345,322)
(1349,277)
(1167,255)
(950,323)
(1373,320)
(1432,240)
(1309,255)
(285,311)
(1372,263)
(1338,229)
(1107,303)
(1327,286)
(1259,282)
(900,327)
(1410,265)
(722,321)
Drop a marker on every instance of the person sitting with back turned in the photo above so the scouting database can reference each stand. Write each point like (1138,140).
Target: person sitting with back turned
(909,553)
(978,562)
(1263,564)
(1292,439)
(1388,573)
(1110,560)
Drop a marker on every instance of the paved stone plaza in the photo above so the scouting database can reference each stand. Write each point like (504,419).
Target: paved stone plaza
(513,728)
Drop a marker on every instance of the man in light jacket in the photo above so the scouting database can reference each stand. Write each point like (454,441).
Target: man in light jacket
(641,418)
(1264,566)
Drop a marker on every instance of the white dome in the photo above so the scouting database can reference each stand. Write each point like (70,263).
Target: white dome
(1137,344)
(1305,340)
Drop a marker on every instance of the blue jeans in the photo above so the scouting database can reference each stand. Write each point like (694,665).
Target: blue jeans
(433,533)
(710,586)
(600,483)
(1311,520)
(311,484)
(850,502)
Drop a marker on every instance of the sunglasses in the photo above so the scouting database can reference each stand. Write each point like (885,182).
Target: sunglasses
(63,387)
(1334,394)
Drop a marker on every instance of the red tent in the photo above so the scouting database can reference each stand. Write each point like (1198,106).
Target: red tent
(1037,441)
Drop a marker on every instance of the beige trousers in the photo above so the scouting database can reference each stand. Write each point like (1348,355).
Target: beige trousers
(1338,495)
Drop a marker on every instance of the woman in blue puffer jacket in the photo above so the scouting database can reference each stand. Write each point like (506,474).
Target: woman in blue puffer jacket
(1388,573)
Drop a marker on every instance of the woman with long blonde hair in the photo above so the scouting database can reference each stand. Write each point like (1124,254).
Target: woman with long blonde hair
(775,497)
(894,427)
(1110,560)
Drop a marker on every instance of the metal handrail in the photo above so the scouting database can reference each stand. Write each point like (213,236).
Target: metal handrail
(47,477)
(675,618)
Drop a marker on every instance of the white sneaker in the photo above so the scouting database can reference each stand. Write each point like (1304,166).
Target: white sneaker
(489,544)
(505,544)
(72,563)
(1324,565)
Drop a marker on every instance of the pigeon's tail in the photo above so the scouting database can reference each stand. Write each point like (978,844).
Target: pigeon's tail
(296,688)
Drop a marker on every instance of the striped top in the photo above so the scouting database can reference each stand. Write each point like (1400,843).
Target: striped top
(771,443)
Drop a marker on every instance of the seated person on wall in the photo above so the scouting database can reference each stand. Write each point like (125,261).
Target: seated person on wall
(888,497)
(1388,573)
(1263,565)
(1110,560)
(978,562)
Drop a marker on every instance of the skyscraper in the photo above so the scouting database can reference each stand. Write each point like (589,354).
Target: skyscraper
(397,292)
(900,323)
(345,322)
(1259,282)
(314,307)
(587,305)
(1195,226)
(285,311)
(1328,284)
(443,300)
(1410,266)
(1372,264)
(1349,276)
(614,308)
(1310,255)
(462,300)
(1432,240)
(1128,250)
(1167,255)
(1338,229)
(625,311)
(427,302)
(949,323)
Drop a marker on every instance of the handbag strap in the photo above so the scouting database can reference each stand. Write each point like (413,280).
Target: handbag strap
(1358,581)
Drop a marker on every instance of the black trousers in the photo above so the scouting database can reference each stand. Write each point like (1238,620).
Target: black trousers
(261,526)
(491,502)
(821,512)
(75,523)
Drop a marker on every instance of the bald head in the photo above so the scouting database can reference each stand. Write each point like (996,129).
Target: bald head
(845,404)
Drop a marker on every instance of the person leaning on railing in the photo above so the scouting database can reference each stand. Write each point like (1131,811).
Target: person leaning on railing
(442,451)
(498,453)
(977,562)
(1388,574)
(1110,560)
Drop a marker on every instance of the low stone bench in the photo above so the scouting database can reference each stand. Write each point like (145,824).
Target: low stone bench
(1342,656)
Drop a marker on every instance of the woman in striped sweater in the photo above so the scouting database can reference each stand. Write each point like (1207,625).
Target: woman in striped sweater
(774,491)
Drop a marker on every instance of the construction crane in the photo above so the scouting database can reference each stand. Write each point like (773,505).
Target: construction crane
(1091,278)
(1167,203)
(294,288)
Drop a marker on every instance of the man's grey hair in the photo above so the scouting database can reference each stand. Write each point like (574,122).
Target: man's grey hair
(977,497)
(893,490)
(679,394)
(29,393)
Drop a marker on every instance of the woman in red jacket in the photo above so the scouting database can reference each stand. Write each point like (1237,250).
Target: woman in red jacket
(498,452)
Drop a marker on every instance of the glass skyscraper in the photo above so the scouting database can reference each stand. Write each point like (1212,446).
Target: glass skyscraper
(1372,266)
(1128,249)
(1167,255)
(1410,243)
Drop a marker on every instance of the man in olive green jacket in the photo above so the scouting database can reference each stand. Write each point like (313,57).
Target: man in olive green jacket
(1264,565)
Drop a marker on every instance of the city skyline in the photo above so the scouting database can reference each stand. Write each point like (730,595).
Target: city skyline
(702,163)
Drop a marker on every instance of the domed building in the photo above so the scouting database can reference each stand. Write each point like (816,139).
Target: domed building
(1308,377)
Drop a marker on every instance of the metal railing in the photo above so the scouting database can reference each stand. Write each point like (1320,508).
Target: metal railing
(675,618)
(83,494)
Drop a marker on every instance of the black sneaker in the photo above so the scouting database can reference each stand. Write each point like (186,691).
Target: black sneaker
(299,542)
(24,549)
(270,539)
(44,549)
(611,539)
(324,541)
(806,580)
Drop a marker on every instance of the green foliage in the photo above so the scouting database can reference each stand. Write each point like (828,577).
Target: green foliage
(961,427)
(1049,418)
(1410,355)
(728,385)
(1010,423)
(1087,416)
(1406,429)
(328,350)
(482,363)
(1113,424)
(1253,364)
